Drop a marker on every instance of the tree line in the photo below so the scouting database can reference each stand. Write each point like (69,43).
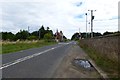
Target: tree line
(95,34)
(42,33)
(47,34)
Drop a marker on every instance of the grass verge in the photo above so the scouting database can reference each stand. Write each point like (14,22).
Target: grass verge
(106,64)
(13,47)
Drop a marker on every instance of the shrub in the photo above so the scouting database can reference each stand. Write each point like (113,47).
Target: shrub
(48,37)
(32,38)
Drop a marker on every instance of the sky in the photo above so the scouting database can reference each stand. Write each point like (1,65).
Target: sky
(67,16)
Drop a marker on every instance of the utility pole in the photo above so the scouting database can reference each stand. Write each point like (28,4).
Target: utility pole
(79,34)
(89,29)
(92,17)
(39,33)
(86,24)
(28,30)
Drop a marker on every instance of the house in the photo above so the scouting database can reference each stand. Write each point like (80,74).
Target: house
(59,36)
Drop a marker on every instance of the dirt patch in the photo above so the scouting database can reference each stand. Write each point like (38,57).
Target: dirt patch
(68,70)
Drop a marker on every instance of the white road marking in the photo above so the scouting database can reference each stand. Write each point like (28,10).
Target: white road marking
(25,58)
(64,43)
(53,48)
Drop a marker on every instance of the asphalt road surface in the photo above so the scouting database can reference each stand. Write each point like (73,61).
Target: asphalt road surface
(35,62)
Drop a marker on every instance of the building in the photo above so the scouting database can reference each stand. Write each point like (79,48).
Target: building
(59,36)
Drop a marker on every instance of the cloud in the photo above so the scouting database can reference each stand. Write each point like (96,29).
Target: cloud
(80,16)
(65,15)
(78,4)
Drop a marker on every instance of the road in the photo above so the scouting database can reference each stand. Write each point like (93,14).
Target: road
(35,62)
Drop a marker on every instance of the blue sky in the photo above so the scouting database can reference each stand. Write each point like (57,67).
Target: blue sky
(65,15)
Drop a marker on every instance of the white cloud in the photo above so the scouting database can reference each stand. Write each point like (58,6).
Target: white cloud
(65,15)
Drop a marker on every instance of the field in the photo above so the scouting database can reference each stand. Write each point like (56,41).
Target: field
(8,47)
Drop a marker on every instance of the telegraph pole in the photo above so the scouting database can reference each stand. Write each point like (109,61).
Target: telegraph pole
(92,17)
(79,34)
(86,24)
(28,30)
(89,29)
(39,33)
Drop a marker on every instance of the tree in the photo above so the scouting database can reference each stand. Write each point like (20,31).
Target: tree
(32,37)
(48,28)
(42,31)
(48,37)
(22,35)
(35,33)
(97,34)
(64,37)
(7,36)
(49,31)
(107,33)
(83,35)
(75,36)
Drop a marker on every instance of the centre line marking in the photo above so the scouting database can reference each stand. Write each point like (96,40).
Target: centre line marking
(25,58)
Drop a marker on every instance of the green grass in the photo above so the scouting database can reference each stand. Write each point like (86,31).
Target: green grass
(13,47)
(106,64)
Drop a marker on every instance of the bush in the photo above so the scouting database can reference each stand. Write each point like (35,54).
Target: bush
(48,37)
(32,38)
